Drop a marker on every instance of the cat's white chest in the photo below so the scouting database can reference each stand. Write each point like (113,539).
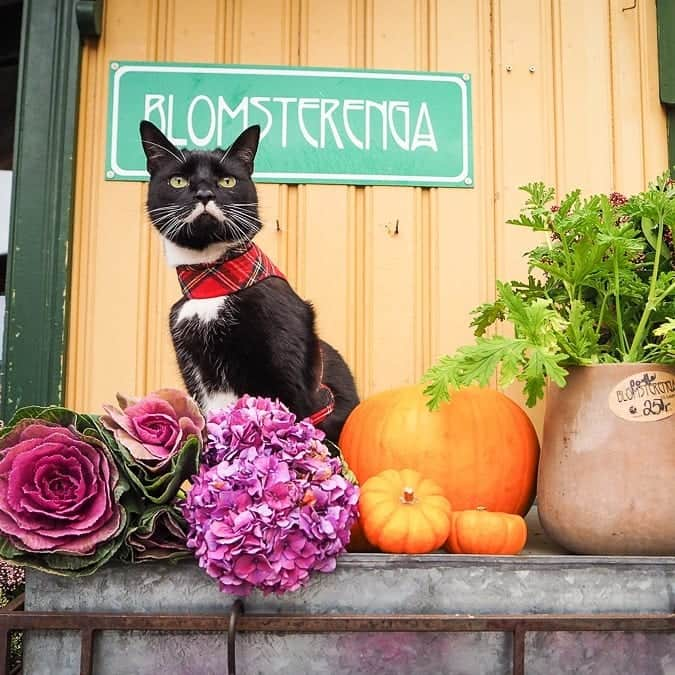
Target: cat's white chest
(205,309)
(218,400)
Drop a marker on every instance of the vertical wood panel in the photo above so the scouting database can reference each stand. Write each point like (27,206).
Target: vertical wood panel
(391,259)
(524,138)
(463,254)
(524,130)
(325,222)
(626,97)
(582,81)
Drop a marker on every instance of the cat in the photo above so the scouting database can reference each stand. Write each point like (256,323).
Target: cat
(240,328)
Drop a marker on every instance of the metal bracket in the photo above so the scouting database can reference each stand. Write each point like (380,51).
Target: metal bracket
(89,17)
(236,611)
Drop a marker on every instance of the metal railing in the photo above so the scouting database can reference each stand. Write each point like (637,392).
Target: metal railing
(237,621)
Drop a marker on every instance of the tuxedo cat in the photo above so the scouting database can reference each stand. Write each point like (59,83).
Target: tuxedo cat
(240,328)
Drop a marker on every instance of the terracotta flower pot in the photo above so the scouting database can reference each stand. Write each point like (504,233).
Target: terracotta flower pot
(607,466)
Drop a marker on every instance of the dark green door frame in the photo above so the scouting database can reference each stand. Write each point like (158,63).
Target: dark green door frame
(665,17)
(38,277)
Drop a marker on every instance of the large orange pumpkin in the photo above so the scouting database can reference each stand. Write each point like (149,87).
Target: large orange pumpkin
(481,447)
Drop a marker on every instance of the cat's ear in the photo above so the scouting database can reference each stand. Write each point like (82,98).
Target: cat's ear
(157,147)
(245,147)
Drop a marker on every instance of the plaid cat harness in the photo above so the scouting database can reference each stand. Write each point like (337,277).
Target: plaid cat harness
(242,267)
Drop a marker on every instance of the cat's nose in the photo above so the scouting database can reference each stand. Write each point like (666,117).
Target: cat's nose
(205,195)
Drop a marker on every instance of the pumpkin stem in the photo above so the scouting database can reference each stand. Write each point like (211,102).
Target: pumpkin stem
(408,496)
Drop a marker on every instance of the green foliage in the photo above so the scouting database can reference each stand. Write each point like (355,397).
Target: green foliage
(601,289)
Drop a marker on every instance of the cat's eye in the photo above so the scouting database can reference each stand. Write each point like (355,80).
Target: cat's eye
(178,182)
(227,182)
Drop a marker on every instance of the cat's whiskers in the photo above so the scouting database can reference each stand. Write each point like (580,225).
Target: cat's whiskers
(174,224)
(180,159)
(162,210)
(240,234)
(240,227)
(246,220)
(242,210)
(164,217)
(175,212)
(172,228)
(225,154)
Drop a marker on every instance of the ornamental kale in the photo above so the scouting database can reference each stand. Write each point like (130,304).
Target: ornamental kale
(601,289)
(158,441)
(62,497)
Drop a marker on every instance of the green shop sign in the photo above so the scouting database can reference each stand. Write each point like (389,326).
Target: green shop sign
(358,127)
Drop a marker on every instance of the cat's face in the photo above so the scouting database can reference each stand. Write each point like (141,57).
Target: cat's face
(197,198)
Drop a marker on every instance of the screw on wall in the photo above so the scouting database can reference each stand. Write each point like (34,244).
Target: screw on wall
(532,69)
(509,69)
(392,231)
(278,226)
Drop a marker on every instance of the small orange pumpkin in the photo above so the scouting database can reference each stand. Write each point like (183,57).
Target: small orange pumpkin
(403,512)
(484,532)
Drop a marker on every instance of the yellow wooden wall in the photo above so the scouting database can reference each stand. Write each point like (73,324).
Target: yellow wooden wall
(564,91)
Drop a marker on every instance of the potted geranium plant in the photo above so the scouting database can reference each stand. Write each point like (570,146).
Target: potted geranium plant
(595,322)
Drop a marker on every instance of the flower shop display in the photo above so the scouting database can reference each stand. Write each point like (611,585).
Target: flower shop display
(254,493)
(481,447)
(269,505)
(595,322)
(483,532)
(404,512)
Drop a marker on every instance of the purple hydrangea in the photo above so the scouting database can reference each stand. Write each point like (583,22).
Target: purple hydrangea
(269,505)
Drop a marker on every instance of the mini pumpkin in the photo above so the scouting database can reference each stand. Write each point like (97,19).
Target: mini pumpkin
(404,512)
(484,532)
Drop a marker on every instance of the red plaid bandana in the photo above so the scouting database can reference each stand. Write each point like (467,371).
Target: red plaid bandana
(239,268)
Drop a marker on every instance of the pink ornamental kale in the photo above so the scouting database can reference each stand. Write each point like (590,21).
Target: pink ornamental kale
(57,490)
(159,438)
(155,428)
(270,506)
